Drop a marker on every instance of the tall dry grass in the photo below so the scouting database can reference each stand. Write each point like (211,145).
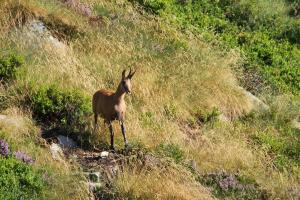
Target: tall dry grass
(155,184)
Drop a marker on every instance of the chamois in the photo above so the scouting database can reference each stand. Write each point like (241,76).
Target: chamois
(111,106)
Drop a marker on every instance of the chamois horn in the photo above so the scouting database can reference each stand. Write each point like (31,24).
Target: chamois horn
(130,75)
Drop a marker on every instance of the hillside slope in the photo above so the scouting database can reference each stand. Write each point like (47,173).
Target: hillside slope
(202,134)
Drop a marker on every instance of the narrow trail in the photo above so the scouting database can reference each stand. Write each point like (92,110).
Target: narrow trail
(100,167)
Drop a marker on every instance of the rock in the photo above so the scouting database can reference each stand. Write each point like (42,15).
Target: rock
(257,104)
(36,30)
(93,176)
(56,151)
(66,142)
(94,186)
(104,154)
(38,27)
(3,117)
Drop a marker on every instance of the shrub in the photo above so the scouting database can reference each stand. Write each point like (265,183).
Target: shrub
(237,12)
(292,31)
(172,151)
(8,67)
(295,8)
(18,180)
(53,106)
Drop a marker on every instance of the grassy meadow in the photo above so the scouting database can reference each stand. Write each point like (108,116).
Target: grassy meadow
(187,107)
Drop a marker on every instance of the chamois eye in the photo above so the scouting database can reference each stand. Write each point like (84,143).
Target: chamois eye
(123,82)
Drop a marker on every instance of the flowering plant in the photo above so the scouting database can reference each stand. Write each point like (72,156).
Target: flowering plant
(4,148)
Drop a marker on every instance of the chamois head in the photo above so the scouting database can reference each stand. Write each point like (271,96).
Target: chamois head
(126,81)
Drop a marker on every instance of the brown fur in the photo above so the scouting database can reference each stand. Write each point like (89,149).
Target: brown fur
(109,105)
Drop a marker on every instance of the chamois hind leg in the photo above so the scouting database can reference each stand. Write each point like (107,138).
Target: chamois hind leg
(124,134)
(111,136)
(95,128)
(96,118)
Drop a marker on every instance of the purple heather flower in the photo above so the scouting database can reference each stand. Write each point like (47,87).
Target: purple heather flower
(4,148)
(228,183)
(23,157)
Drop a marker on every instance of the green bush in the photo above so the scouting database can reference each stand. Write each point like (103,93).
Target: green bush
(53,106)
(295,8)
(172,151)
(236,12)
(8,67)
(18,180)
(292,31)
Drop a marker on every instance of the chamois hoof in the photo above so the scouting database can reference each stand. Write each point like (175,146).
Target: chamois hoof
(112,149)
(126,149)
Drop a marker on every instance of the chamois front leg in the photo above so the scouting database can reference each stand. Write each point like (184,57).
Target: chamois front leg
(124,134)
(111,136)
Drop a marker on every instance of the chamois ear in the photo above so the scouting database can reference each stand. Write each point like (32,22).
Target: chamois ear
(123,74)
(130,75)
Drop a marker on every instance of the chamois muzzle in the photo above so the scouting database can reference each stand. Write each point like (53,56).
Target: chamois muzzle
(128,91)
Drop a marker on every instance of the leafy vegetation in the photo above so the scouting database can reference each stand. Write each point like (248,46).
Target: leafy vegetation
(261,29)
(51,105)
(18,180)
(8,67)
